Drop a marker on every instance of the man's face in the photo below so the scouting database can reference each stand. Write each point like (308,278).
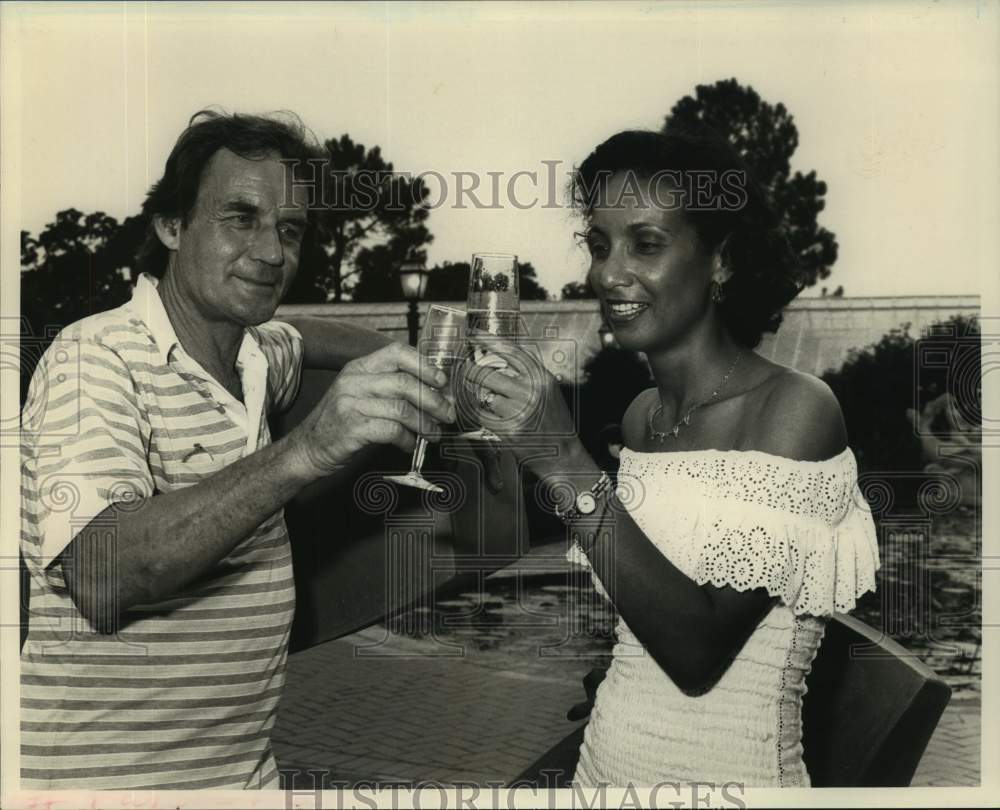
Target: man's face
(238,253)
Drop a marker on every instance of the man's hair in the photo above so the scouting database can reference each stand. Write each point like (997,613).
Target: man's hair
(765,272)
(250,136)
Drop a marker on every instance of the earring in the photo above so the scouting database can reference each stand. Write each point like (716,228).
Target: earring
(716,293)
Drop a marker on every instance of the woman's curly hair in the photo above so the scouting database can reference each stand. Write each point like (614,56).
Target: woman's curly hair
(765,273)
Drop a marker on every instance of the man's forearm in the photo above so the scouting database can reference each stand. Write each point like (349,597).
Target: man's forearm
(330,344)
(174,538)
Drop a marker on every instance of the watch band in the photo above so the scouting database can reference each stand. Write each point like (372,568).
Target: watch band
(599,490)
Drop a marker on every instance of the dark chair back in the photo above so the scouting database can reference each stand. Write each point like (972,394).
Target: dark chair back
(870,711)
(867,717)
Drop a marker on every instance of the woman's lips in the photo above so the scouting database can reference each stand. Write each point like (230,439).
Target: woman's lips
(623,311)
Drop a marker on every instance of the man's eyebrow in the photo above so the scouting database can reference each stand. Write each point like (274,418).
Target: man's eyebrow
(241,206)
(294,214)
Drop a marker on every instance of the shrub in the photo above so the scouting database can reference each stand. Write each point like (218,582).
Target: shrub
(877,384)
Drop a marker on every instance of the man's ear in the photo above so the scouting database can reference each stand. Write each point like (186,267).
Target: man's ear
(169,230)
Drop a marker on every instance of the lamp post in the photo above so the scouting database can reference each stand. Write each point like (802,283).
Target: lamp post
(413,279)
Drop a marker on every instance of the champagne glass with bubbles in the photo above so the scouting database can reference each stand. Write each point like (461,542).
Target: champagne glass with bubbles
(442,344)
(494,308)
(494,303)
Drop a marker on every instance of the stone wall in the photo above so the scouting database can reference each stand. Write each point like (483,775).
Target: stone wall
(817,333)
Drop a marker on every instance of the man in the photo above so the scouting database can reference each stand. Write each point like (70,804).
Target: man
(161,579)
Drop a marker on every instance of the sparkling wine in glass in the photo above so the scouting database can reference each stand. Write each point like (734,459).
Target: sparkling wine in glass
(494,308)
(442,344)
(494,302)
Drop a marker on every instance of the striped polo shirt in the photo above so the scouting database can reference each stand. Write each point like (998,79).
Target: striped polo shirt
(186,693)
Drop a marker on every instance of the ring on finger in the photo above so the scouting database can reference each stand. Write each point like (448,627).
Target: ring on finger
(486,399)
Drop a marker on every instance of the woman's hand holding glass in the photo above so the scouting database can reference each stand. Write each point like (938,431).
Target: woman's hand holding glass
(512,394)
(493,303)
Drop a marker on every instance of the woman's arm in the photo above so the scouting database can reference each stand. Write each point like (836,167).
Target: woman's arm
(692,631)
(330,344)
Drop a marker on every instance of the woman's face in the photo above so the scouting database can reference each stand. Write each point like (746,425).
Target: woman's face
(647,265)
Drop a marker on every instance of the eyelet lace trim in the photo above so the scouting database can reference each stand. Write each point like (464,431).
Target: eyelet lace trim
(802,530)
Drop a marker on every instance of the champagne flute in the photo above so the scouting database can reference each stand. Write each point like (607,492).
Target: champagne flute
(494,302)
(442,344)
(494,307)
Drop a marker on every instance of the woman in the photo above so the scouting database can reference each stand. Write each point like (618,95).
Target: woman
(737,526)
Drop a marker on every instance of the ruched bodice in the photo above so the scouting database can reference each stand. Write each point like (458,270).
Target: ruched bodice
(745,519)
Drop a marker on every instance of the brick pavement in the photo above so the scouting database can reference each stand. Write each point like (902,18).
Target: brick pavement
(378,707)
(402,717)
(952,756)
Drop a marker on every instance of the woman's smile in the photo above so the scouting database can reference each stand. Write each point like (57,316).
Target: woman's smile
(648,267)
(624,311)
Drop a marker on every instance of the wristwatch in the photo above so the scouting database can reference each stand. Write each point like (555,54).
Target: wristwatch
(586,501)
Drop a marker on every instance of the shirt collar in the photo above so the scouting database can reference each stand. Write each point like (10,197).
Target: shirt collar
(147,305)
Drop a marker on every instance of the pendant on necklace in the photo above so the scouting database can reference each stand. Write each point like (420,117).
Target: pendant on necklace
(660,435)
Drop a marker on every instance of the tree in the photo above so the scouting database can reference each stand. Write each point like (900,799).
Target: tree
(364,204)
(576,290)
(378,266)
(123,244)
(766,137)
(449,281)
(879,388)
(878,383)
(531,290)
(74,269)
(308,286)
(29,251)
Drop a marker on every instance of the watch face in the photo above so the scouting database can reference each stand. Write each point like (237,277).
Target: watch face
(586,503)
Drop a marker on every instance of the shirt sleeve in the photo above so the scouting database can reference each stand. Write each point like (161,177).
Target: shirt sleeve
(83,443)
(281,344)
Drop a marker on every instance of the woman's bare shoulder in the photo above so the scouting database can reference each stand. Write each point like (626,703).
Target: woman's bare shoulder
(799,417)
(634,419)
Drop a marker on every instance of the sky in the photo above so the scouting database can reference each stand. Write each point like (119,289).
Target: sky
(895,104)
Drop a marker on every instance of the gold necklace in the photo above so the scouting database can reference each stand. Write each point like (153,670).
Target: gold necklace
(685,420)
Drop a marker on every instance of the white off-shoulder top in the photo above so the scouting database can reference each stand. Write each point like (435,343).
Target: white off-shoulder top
(746,519)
